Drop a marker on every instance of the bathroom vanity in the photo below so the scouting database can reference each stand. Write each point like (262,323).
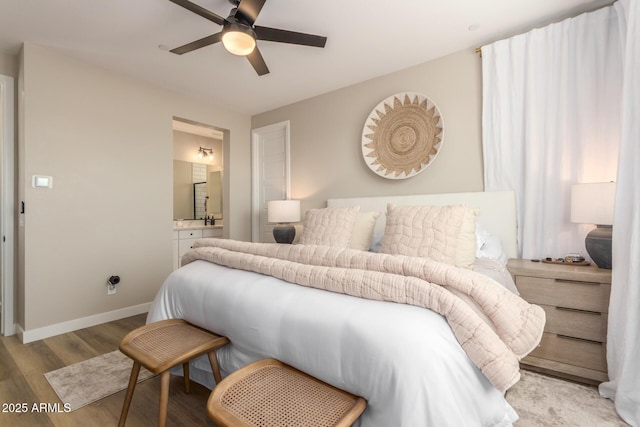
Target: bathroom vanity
(185,233)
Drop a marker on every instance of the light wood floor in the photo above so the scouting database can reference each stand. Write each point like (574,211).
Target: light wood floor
(22,369)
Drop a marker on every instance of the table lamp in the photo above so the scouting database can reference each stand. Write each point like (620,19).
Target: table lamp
(283,212)
(593,204)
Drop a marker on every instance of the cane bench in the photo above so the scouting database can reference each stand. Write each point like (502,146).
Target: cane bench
(160,346)
(269,393)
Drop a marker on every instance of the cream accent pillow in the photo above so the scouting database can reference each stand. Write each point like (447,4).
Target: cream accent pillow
(363,230)
(329,226)
(467,240)
(441,233)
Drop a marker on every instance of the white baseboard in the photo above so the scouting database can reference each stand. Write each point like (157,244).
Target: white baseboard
(74,325)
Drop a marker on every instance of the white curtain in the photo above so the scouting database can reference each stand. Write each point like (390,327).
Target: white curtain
(551,109)
(623,337)
(562,105)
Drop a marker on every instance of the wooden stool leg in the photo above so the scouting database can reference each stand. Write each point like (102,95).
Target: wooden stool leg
(133,379)
(164,398)
(214,366)
(185,373)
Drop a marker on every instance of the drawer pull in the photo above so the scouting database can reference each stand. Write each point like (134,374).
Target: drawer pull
(578,310)
(567,337)
(577,282)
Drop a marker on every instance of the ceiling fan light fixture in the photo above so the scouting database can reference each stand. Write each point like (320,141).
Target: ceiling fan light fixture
(239,39)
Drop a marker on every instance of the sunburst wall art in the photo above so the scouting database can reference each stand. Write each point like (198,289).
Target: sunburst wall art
(402,135)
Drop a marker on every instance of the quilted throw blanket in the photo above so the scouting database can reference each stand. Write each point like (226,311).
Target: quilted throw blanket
(495,327)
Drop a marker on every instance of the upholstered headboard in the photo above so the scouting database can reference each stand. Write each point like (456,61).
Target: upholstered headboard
(497,210)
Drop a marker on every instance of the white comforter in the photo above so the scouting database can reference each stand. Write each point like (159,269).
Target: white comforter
(404,360)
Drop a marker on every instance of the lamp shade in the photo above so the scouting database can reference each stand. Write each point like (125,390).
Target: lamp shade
(593,203)
(283,211)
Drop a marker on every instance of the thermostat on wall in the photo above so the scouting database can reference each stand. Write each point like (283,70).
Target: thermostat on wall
(39,181)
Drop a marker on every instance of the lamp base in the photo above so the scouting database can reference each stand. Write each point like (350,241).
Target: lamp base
(284,233)
(598,244)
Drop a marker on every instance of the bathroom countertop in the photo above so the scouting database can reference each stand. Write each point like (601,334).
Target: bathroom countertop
(198,227)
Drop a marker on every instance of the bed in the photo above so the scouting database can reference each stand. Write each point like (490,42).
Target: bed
(414,366)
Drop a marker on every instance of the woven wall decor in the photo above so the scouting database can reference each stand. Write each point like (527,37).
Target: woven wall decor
(402,135)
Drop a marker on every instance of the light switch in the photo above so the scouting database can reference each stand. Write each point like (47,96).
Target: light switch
(40,181)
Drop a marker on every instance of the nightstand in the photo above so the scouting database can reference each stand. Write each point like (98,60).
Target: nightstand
(576,302)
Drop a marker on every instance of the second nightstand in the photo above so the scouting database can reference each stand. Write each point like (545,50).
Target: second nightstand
(576,302)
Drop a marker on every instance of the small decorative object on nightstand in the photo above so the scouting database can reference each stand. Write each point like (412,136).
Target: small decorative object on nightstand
(283,212)
(593,204)
(576,302)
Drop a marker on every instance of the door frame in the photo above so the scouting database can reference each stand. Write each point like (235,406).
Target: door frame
(256,135)
(7,203)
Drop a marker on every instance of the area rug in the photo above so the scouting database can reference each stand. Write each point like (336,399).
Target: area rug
(91,380)
(541,400)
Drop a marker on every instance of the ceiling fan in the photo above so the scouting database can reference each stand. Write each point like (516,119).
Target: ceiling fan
(239,34)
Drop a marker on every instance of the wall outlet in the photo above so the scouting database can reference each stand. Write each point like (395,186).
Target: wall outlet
(112,282)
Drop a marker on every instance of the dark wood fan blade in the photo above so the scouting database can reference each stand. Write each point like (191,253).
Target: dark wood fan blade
(249,10)
(200,11)
(284,36)
(257,62)
(205,41)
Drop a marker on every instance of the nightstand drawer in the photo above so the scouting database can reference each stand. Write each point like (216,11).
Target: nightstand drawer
(587,325)
(586,354)
(589,296)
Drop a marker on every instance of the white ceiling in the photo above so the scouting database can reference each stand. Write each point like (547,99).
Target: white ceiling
(366,38)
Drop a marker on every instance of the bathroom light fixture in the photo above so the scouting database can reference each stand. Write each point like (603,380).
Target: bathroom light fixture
(205,152)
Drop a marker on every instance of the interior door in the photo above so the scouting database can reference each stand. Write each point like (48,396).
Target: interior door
(271,175)
(7,212)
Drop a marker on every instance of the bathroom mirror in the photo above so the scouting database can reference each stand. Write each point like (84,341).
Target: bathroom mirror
(190,199)
(197,179)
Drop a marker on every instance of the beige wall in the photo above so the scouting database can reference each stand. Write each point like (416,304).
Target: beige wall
(9,65)
(107,141)
(326,156)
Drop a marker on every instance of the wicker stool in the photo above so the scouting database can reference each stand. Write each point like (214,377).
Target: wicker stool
(269,393)
(162,345)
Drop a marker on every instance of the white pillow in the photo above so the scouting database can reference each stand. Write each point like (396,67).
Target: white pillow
(489,246)
(363,230)
(329,226)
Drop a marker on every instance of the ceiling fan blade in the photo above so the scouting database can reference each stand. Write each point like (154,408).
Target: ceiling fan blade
(257,62)
(285,36)
(200,11)
(205,41)
(249,9)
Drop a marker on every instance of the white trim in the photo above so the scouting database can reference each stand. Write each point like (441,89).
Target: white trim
(255,172)
(76,324)
(7,204)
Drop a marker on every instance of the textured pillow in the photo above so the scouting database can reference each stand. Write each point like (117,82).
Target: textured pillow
(363,230)
(329,226)
(441,233)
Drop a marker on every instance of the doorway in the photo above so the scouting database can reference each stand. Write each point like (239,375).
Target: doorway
(271,175)
(198,171)
(7,204)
